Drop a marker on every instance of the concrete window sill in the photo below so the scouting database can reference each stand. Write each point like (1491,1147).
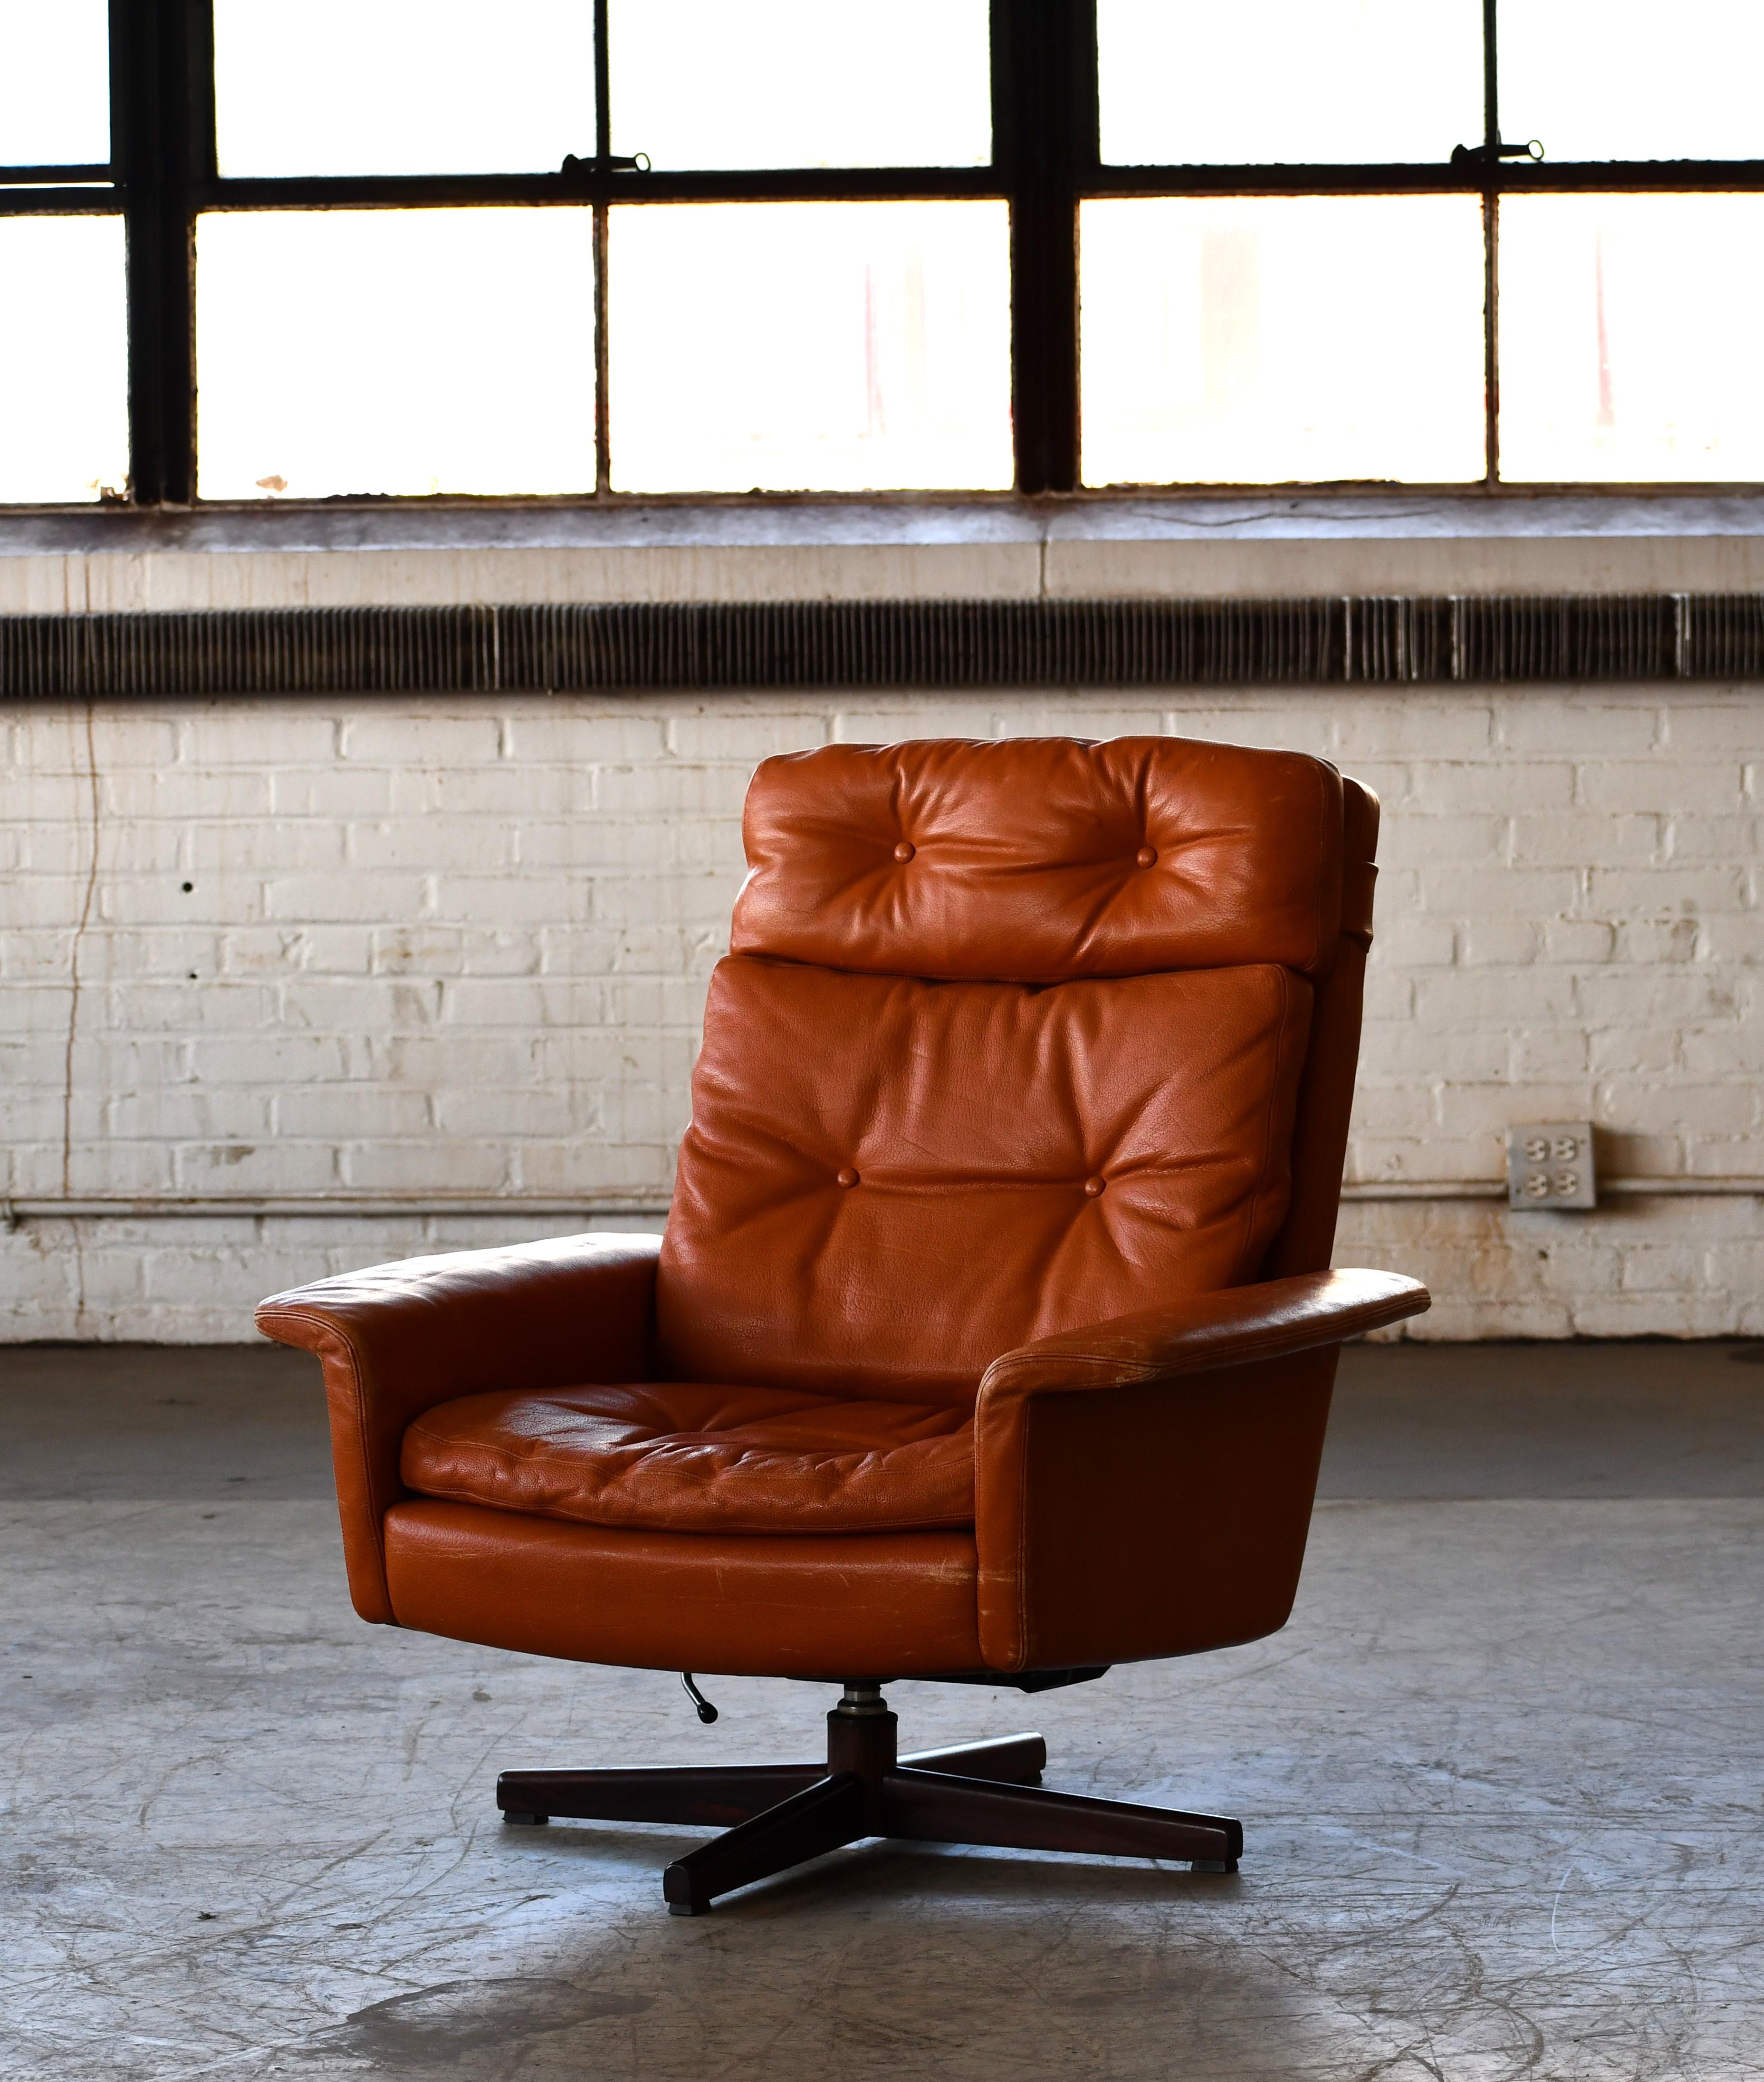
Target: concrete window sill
(1279,545)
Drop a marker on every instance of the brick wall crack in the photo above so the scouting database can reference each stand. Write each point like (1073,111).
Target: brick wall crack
(74,949)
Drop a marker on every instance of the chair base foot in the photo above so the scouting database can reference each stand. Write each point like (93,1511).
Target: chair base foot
(778,1816)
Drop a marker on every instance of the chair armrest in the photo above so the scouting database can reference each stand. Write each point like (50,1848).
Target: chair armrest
(1143,1487)
(1222,1330)
(395,1340)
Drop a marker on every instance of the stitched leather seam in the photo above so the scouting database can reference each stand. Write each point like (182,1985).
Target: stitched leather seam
(441,1494)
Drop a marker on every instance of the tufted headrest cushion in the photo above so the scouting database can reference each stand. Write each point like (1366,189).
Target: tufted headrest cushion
(1032,860)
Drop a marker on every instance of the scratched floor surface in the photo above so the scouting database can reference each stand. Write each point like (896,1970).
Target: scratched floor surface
(1501,1782)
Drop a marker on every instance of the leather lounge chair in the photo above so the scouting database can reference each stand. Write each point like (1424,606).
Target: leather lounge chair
(991,1337)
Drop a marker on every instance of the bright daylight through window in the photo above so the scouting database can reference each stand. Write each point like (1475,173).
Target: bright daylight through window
(253,250)
(64,431)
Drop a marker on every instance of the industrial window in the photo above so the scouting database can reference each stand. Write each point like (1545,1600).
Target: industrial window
(253,250)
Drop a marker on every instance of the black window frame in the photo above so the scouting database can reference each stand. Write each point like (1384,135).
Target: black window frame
(1046,163)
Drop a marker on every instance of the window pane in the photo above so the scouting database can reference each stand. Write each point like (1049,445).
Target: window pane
(1293,82)
(401,86)
(394,351)
(823,347)
(63,377)
(1629,79)
(1629,338)
(800,84)
(54,83)
(1264,340)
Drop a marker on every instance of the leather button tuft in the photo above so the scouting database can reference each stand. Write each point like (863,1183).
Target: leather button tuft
(846,1176)
(1092,1187)
(905,850)
(1146,856)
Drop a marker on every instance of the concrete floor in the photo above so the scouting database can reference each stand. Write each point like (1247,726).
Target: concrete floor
(1500,1778)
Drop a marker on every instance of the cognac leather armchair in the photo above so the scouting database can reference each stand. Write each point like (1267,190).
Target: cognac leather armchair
(992,1337)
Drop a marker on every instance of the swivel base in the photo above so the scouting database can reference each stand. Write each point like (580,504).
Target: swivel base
(781,1815)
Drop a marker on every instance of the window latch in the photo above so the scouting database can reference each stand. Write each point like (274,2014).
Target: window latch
(637,164)
(1486,155)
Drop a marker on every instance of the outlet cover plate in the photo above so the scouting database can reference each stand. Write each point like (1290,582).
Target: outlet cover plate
(1550,1165)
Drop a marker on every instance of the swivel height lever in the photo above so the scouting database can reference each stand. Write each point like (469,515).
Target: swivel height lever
(706,1711)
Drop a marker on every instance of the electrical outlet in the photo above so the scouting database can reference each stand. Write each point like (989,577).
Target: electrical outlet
(1550,1165)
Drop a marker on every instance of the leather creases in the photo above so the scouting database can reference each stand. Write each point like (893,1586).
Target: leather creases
(1039,859)
(687,1457)
(887,1182)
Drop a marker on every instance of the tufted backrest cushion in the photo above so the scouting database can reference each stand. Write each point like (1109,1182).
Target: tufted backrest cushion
(1039,859)
(887,1182)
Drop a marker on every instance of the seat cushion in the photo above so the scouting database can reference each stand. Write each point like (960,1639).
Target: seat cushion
(687,1456)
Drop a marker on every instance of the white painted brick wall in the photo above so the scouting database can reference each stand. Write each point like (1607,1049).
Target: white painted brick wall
(433,947)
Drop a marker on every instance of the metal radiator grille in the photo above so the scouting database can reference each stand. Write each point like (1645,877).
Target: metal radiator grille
(929,644)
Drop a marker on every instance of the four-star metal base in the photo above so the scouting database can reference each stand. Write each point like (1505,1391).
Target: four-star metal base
(781,1815)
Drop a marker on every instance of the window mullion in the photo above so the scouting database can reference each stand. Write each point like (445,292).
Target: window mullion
(1491,80)
(602,86)
(1491,335)
(603,440)
(1044,134)
(1490,249)
(162,100)
(603,150)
